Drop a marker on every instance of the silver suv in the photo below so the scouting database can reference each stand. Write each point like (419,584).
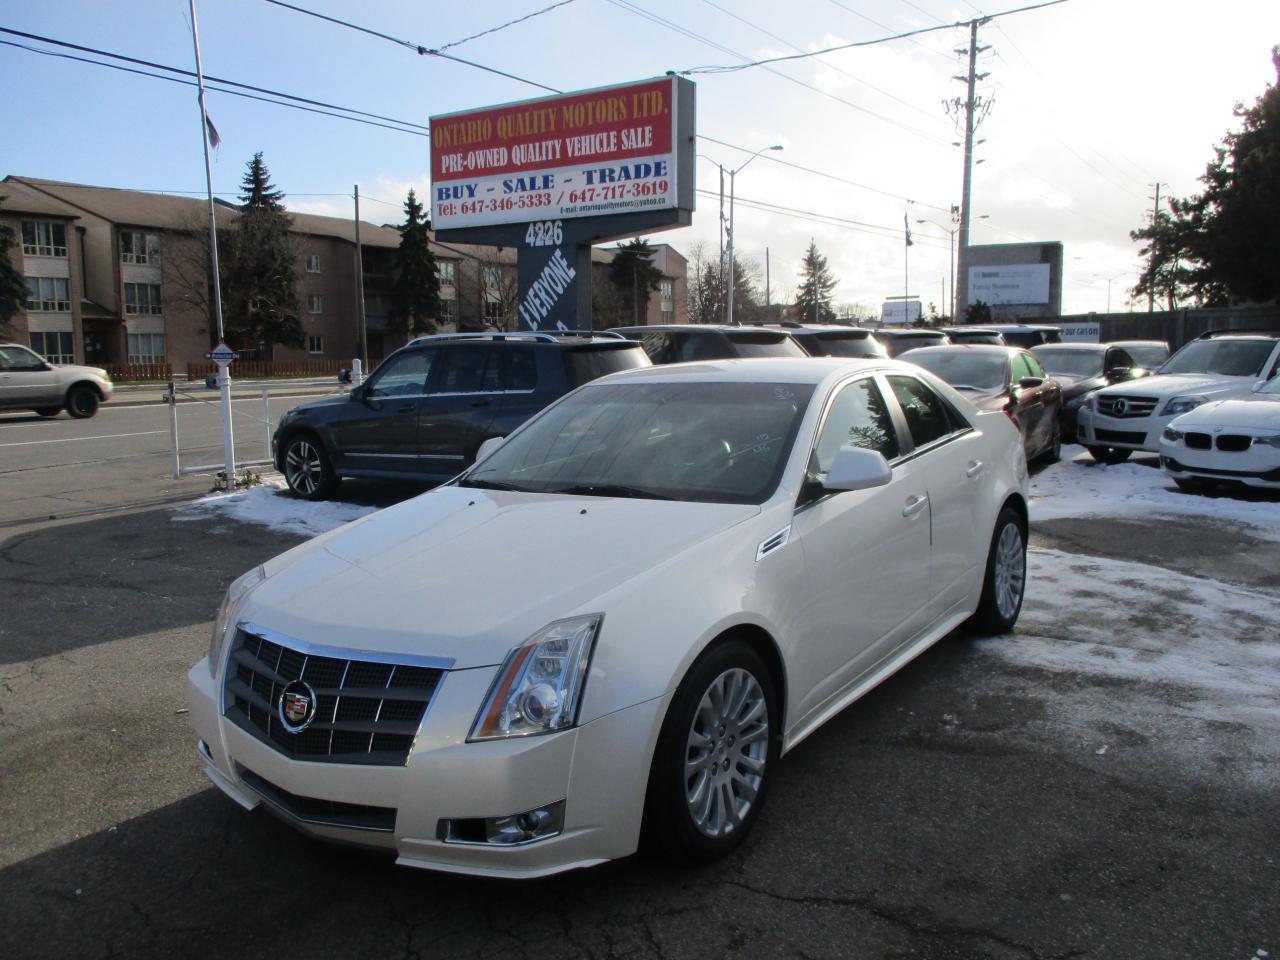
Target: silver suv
(29,382)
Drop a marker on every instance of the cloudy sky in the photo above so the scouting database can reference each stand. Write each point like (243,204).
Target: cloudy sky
(1092,103)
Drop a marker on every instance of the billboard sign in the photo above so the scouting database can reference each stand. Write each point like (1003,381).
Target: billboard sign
(899,312)
(593,153)
(1084,332)
(1010,283)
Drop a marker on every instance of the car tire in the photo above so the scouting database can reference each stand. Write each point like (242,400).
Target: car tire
(1109,455)
(306,467)
(712,764)
(1194,484)
(48,411)
(1005,582)
(82,402)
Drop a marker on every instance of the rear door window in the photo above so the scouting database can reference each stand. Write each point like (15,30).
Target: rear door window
(468,368)
(522,369)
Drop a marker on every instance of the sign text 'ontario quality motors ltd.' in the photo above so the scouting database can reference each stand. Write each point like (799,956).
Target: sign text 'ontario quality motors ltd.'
(587,154)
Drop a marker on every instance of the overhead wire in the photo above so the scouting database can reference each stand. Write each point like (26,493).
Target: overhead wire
(503,26)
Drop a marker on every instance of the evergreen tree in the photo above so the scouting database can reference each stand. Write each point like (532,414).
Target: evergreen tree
(415,296)
(260,281)
(13,286)
(633,273)
(977,312)
(813,299)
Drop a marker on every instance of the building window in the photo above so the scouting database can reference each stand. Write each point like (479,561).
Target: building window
(146,348)
(43,239)
(667,288)
(446,271)
(139,247)
(48,294)
(491,276)
(493,311)
(54,347)
(314,303)
(142,298)
(668,316)
(315,343)
(313,263)
(449,311)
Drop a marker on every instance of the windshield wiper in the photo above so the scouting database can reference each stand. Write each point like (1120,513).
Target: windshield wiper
(610,490)
(492,485)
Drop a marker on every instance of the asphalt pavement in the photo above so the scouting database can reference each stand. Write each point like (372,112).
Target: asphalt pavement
(962,810)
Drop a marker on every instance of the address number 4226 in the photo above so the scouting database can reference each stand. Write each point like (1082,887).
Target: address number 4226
(544,233)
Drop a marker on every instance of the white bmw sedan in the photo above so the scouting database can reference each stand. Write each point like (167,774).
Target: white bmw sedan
(1227,442)
(618,619)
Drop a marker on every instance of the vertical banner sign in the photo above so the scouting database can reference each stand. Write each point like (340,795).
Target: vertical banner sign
(589,154)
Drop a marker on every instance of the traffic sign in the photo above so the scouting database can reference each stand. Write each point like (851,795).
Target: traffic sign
(222,354)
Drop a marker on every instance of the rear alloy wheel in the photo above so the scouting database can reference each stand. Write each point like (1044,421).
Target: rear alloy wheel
(48,411)
(306,468)
(1109,455)
(714,756)
(1006,577)
(82,402)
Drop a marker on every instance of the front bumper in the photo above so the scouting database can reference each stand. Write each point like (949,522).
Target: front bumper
(600,769)
(1128,433)
(1257,467)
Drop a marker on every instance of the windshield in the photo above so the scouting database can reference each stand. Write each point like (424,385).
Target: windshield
(897,345)
(765,344)
(1147,355)
(1074,363)
(964,370)
(1227,358)
(724,442)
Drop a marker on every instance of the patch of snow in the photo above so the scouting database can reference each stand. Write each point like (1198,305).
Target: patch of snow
(1080,487)
(271,505)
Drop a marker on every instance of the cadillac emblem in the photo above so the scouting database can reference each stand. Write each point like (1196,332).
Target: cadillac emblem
(297,706)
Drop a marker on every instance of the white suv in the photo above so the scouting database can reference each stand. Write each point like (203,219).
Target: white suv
(29,382)
(1219,365)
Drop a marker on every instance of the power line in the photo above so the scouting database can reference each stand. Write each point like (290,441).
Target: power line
(503,26)
(877,23)
(420,49)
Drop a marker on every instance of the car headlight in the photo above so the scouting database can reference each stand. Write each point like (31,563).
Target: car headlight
(1272,441)
(540,684)
(225,620)
(1090,403)
(1172,435)
(1182,405)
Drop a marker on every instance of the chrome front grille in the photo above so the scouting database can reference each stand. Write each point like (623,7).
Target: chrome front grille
(366,712)
(1126,407)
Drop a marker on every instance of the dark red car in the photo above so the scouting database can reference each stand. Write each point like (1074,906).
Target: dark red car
(1009,379)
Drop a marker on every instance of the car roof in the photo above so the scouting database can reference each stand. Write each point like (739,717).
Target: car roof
(792,327)
(813,370)
(994,349)
(696,327)
(989,331)
(1135,343)
(548,337)
(1021,327)
(913,333)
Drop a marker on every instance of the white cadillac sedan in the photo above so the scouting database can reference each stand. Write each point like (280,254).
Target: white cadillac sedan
(1233,442)
(618,619)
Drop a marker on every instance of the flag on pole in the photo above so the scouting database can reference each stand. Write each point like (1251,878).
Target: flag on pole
(212,131)
(907,227)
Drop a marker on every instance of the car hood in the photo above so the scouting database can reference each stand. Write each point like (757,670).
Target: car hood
(1073,386)
(1180,384)
(75,371)
(336,400)
(466,574)
(1255,413)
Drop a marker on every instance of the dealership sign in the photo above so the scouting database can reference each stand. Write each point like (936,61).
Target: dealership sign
(899,312)
(588,154)
(1010,283)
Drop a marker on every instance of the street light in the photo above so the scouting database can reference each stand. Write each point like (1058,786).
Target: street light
(728,310)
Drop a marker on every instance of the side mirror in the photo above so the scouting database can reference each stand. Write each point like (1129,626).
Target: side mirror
(1260,386)
(490,445)
(1116,374)
(1030,383)
(857,468)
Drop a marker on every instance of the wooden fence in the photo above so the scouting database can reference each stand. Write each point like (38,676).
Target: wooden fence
(261,369)
(139,371)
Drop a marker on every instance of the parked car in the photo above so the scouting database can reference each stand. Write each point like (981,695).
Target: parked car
(975,335)
(30,382)
(425,410)
(1219,365)
(621,616)
(831,339)
(1027,335)
(1232,442)
(898,342)
(1080,369)
(1147,354)
(680,342)
(1007,379)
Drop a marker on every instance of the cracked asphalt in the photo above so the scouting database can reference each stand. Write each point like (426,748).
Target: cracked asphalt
(965,809)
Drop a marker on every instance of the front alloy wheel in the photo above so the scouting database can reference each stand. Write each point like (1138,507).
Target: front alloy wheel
(726,752)
(306,469)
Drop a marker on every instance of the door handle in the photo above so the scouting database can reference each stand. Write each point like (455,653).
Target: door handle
(974,468)
(915,504)
(406,408)
(480,403)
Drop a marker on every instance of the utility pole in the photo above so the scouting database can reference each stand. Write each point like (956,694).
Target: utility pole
(971,120)
(766,283)
(364,333)
(1155,215)
(720,274)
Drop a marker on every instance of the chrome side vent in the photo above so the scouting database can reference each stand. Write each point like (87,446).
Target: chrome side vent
(779,539)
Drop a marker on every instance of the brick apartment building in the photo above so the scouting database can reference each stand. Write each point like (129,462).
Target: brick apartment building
(120,277)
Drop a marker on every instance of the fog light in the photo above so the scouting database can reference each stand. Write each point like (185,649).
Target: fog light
(541,823)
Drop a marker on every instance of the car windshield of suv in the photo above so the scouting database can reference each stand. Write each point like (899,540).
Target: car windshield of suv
(1226,358)
(762,343)
(722,442)
(1147,355)
(844,345)
(1073,363)
(983,372)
